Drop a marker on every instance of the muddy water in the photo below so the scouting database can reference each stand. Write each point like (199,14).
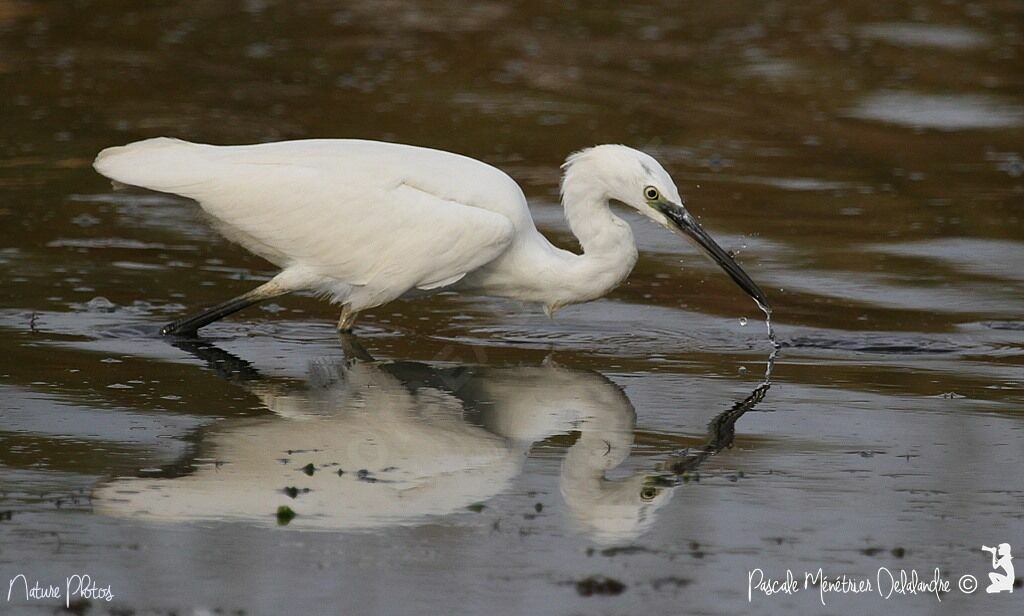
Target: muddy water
(866,163)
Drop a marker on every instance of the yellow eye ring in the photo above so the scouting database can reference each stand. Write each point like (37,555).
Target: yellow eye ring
(651,193)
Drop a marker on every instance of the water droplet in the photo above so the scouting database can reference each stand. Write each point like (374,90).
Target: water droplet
(100,304)
(743,321)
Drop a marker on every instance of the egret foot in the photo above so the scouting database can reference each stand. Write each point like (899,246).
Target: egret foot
(188,326)
(347,319)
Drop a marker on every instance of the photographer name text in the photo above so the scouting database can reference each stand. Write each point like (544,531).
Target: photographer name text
(886,583)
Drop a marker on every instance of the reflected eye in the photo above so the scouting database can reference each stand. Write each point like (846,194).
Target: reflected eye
(648,494)
(651,193)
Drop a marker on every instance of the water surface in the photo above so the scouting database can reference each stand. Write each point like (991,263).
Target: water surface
(863,162)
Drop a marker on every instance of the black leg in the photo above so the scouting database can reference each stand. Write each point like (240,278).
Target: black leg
(187,326)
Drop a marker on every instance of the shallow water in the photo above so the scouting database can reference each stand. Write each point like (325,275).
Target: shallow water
(863,162)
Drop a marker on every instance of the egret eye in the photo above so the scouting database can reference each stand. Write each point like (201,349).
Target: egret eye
(648,494)
(651,193)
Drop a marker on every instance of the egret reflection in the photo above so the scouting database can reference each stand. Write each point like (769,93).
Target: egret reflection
(362,445)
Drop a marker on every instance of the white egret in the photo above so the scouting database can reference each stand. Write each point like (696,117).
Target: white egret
(365,222)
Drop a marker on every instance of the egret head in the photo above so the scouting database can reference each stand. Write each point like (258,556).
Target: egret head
(636,180)
(616,511)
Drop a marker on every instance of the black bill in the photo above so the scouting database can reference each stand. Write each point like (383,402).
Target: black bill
(688,226)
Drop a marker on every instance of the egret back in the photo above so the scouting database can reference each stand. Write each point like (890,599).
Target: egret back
(381,217)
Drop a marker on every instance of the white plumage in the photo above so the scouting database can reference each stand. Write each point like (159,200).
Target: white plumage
(365,222)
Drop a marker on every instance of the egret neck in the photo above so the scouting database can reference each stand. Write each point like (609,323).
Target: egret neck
(609,250)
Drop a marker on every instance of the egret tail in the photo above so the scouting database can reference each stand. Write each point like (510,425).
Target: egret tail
(163,164)
(188,326)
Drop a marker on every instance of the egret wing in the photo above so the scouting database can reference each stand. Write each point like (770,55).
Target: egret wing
(346,211)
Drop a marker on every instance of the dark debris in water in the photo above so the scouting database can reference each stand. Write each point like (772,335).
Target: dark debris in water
(293,492)
(78,606)
(599,585)
(284,515)
(674,581)
(6,516)
(309,469)
(896,552)
(626,549)
(476,507)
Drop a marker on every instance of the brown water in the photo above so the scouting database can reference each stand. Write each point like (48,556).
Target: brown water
(864,161)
